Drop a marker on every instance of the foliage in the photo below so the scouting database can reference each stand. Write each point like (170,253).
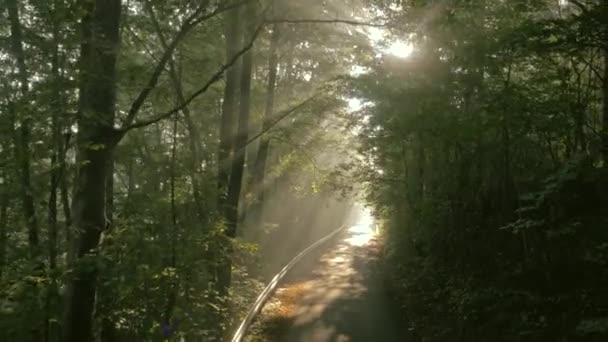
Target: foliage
(155,270)
(484,155)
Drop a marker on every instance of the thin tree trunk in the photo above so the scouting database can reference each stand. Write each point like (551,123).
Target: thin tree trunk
(194,142)
(605,104)
(65,204)
(506,145)
(421,168)
(578,110)
(56,148)
(96,140)
(24,136)
(3,230)
(258,181)
(172,295)
(56,170)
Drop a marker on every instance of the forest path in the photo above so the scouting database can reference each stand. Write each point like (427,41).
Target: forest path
(335,296)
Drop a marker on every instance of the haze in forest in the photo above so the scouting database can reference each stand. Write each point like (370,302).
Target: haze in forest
(162,160)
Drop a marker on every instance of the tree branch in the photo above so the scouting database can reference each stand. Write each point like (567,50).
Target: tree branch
(192,21)
(215,78)
(324,21)
(283,115)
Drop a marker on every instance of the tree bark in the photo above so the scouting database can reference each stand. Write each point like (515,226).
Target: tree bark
(95,142)
(108,331)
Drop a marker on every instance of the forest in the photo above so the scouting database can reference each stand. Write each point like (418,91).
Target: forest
(161,160)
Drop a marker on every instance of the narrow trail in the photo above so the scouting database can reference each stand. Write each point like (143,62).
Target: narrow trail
(335,296)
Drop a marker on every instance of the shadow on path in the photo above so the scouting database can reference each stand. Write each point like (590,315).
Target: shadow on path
(335,296)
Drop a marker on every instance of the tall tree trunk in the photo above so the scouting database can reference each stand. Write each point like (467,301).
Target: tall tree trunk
(232,29)
(605,104)
(258,180)
(56,147)
(95,143)
(227,126)
(24,136)
(231,213)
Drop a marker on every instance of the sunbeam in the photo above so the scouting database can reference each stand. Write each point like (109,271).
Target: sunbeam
(363,231)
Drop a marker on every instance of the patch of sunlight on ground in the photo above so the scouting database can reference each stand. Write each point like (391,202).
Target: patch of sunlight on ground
(363,231)
(287,300)
(337,260)
(280,312)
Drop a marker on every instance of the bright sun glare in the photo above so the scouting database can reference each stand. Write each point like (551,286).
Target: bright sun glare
(395,47)
(400,49)
(354,104)
(363,231)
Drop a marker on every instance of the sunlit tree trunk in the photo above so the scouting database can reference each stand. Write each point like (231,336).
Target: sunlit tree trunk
(238,159)
(95,143)
(258,179)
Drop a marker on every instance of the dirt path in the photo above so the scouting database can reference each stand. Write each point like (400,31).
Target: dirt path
(337,296)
